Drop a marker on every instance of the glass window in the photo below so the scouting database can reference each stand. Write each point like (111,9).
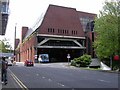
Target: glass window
(67,32)
(48,30)
(85,21)
(58,31)
(59,43)
(4,7)
(53,30)
(63,31)
(72,31)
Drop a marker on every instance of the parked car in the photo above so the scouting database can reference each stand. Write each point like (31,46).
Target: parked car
(28,63)
(10,63)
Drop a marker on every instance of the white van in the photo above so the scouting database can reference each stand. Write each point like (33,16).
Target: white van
(43,58)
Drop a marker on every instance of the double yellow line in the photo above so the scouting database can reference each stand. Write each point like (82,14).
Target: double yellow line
(22,86)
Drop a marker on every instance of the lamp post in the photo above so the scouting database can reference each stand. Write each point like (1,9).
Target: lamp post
(92,29)
(15,41)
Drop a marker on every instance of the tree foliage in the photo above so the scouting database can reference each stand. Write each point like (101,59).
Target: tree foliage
(107,29)
(82,61)
(5,47)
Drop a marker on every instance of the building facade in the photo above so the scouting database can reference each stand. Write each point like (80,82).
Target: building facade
(4,13)
(62,31)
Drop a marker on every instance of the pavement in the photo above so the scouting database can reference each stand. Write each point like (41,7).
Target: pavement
(95,63)
(11,82)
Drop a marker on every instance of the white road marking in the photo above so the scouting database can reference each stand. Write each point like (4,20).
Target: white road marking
(43,77)
(103,80)
(49,79)
(18,81)
(61,84)
(37,74)
(73,89)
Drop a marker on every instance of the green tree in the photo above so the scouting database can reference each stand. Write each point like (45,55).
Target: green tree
(107,28)
(5,47)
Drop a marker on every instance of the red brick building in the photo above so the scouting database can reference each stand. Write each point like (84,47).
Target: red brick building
(62,31)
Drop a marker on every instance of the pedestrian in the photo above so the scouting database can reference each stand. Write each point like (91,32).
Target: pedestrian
(4,71)
(14,62)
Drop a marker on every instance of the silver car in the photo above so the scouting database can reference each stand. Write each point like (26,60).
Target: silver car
(10,63)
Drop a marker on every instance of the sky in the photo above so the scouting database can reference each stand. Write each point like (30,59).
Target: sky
(26,13)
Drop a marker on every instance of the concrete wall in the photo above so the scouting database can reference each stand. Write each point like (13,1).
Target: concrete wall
(0,23)
(0,19)
(4,13)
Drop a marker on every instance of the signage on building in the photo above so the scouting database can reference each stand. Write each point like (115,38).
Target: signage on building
(68,56)
(116,57)
(35,56)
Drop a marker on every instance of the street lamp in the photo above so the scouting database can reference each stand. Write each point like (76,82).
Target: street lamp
(15,41)
(92,29)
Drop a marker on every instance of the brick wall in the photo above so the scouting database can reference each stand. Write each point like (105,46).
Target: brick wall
(27,49)
(61,21)
(23,33)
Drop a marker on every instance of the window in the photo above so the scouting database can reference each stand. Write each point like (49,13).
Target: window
(51,30)
(85,21)
(48,30)
(67,32)
(58,31)
(59,43)
(74,32)
(63,31)
(4,8)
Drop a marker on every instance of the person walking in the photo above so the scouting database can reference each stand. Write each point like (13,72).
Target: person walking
(4,71)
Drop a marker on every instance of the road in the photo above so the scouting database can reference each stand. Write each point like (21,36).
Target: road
(60,75)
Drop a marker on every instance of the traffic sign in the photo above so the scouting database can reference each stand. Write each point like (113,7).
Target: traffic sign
(68,56)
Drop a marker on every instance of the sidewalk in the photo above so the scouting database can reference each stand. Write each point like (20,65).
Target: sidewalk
(11,82)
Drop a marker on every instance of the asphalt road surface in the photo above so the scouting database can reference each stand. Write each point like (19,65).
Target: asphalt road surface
(60,75)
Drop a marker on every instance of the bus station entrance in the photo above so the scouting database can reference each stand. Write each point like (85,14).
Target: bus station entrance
(59,48)
(60,55)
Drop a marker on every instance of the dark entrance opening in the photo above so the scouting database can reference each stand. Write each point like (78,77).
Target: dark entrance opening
(60,55)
